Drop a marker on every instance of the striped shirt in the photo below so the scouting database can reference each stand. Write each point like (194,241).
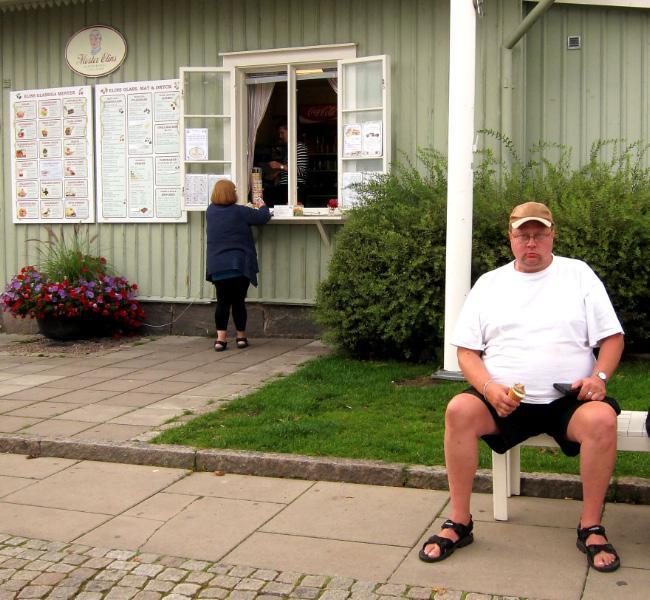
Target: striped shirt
(302,158)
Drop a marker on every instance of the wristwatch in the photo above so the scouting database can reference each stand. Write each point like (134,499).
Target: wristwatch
(601,375)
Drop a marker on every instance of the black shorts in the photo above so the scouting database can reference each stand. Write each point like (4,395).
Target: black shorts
(530,420)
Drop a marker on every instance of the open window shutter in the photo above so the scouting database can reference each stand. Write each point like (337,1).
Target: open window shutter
(208,140)
(364,140)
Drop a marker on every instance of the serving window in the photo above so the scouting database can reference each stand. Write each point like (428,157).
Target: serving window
(298,126)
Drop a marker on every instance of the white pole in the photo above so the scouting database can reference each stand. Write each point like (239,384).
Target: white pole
(462,66)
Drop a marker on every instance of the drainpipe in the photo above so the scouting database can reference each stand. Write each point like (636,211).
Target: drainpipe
(462,68)
(506,67)
(527,23)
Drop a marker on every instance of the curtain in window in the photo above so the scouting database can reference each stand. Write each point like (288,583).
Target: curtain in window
(259,95)
(334,83)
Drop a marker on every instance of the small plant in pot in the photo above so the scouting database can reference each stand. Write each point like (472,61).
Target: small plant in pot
(73,294)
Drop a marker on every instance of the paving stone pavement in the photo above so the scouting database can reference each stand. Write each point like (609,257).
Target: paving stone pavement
(31,568)
(98,529)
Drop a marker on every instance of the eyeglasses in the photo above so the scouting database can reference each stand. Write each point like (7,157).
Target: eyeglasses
(535,237)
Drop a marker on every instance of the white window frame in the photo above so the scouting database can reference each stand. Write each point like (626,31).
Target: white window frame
(289,60)
(233,141)
(385,110)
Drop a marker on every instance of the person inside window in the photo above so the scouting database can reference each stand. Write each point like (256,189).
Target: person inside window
(279,193)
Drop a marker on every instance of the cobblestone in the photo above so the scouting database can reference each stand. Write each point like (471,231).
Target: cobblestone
(57,571)
(186,589)
(317,581)
(213,593)
(419,593)
(241,571)
(200,577)
(335,595)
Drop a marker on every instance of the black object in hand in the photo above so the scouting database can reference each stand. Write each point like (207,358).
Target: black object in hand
(566,389)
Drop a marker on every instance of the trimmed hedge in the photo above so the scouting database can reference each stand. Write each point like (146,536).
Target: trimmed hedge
(384,293)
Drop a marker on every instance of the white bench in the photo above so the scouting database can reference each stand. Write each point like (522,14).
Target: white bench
(506,475)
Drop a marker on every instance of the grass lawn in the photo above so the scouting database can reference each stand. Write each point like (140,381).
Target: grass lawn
(340,407)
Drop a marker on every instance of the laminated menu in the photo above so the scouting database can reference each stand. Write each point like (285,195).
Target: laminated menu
(50,128)
(138,152)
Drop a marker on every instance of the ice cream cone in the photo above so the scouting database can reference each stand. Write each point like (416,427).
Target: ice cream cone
(517,392)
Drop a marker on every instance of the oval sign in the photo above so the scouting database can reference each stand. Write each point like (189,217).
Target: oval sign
(95,51)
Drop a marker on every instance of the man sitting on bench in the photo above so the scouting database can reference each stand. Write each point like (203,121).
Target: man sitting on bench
(534,321)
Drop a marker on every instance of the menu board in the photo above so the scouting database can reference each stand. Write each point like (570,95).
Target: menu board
(138,152)
(52,155)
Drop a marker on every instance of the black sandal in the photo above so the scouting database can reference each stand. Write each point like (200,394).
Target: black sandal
(447,546)
(220,346)
(242,342)
(592,549)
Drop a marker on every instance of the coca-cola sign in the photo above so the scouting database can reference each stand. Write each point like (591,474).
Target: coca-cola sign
(317,113)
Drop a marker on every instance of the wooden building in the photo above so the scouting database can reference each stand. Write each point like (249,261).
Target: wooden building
(581,73)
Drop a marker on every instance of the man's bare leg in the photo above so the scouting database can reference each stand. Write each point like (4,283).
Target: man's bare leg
(466,420)
(593,425)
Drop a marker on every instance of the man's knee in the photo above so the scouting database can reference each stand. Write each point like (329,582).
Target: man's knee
(462,411)
(595,421)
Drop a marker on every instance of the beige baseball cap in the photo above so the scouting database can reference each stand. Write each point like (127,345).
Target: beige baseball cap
(530,211)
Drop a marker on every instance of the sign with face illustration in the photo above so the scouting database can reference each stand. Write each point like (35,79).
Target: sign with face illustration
(96,51)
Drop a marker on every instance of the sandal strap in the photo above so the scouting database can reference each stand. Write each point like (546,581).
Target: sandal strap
(585,532)
(445,544)
(594,549)
(460,529)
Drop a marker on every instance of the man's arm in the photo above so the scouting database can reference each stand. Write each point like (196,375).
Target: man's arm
(471,364)
(609,355)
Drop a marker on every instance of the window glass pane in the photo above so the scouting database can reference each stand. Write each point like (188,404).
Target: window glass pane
(218,138)
(207,93)
(362,84)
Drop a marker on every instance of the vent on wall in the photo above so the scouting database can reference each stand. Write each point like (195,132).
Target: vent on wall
(574,42)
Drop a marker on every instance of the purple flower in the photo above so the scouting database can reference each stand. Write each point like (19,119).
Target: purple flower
(89,294)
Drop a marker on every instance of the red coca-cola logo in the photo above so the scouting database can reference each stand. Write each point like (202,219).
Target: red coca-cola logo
(317,113)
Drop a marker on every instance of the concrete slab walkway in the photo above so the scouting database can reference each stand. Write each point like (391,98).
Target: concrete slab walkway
(103,530)
(130,393)
(93,530)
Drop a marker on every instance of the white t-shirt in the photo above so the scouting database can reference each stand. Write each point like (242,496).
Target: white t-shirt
(537,328)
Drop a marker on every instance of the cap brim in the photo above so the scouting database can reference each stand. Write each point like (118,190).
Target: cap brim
(519,222)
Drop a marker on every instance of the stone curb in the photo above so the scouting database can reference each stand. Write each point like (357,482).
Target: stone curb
(634,490)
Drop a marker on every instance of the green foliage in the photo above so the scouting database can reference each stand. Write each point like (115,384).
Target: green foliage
(384,294)
(385,289)
(62,257)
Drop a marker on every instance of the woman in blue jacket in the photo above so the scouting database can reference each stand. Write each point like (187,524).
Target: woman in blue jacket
(231,257)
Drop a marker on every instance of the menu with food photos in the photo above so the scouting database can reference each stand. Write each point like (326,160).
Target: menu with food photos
(52,155)
(138,152)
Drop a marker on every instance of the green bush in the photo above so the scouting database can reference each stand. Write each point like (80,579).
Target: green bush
(384,294)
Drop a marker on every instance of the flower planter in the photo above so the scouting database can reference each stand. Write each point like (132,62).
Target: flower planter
(72,329)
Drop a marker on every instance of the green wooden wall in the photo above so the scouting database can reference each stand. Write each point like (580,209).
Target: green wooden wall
(571,97)
(601,91)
